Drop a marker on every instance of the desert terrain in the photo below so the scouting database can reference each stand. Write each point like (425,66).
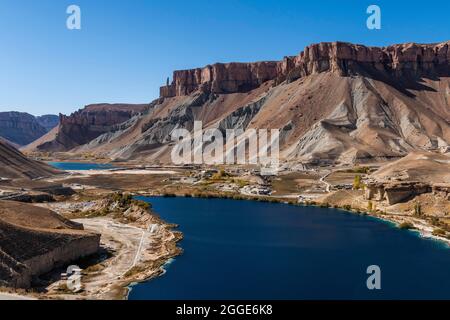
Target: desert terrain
(363,129)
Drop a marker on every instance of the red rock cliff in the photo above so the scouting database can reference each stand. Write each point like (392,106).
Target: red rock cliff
(344,58)
(87,124)
(221,78)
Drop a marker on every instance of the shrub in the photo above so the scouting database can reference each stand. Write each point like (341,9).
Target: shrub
(169,195)
(347,207)
(439,232)
(406,225)
(122,199)
(357,184)
(361,170)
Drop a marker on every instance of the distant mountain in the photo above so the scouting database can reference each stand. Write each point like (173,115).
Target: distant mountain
(22,128)
(48,121)
(84,125)
(333,103)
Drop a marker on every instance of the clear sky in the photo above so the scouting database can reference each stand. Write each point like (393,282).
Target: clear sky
(127,48)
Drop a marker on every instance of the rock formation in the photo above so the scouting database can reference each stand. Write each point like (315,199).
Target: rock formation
(85,125)
(23,128)
(48,121)
(404,179)
(221,78)
(334,103)
(33,241)
(394,193)
(343,58)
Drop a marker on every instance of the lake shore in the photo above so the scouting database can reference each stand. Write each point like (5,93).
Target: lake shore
(135,245)
(422,227)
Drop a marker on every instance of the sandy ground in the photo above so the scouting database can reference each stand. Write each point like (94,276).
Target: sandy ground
(10,296)
(136,256)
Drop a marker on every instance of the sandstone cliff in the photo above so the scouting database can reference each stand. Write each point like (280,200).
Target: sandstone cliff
(85,125)
(334,103)
(344,58)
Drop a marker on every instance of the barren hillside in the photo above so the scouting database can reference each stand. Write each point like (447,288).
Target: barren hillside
(333,103)
(14,164)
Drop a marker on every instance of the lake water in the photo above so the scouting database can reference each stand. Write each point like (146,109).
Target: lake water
(82,166)
(255,250)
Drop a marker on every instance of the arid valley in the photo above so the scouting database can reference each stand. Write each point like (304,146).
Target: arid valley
(363,130)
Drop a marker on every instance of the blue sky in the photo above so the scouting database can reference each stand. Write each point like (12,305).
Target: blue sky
(127,48)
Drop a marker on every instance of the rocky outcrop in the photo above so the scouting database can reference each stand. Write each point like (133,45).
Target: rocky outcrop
(221,78)
(334,103)
(340,57)
(20,128)
(13,273)
(346,58)
(442,190)
(85,125)
(34,241)
(76,248)
(395,193)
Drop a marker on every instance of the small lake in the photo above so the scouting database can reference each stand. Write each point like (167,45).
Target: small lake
(255,250)
(80,166)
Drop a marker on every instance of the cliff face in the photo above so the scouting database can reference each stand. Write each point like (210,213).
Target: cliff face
(221,78)
(342,58)
(20,128)
(85,125)
(333,103)
(34,240)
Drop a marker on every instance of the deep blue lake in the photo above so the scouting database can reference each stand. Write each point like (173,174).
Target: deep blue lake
(255,250)
(80,166)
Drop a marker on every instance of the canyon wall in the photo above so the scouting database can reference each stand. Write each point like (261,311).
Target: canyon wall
(343,58)
(20,128)
(85,125)
(221,78)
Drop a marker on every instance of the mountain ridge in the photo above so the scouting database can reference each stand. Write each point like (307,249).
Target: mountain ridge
(21,128)
(335,103)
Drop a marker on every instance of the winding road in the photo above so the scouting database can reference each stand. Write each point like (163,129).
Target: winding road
(327,185)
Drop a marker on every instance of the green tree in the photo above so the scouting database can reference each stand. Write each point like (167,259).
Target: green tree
(357,182)
(370,206)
